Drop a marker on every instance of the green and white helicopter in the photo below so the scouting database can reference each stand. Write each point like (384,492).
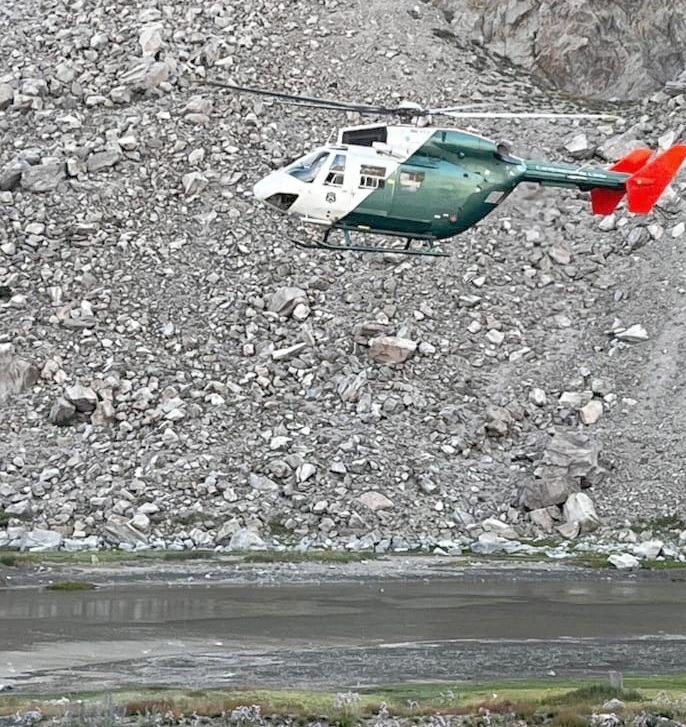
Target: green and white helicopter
(421,184)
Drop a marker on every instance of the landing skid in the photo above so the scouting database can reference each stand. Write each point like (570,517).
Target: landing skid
(425,247)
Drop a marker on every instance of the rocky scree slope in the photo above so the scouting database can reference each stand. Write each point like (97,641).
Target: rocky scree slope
(175,373)
(618,49)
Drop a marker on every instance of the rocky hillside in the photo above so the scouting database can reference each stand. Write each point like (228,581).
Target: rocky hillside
(615,49)
(174,372)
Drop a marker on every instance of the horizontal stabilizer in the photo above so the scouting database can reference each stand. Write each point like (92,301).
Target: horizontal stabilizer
(605,201)
(633,161)
(645,186)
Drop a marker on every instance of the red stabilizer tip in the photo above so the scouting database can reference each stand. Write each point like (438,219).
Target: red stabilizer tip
(633,161)
(644,188)
(605,201)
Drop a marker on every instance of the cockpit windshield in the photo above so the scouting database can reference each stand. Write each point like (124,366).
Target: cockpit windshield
(306,168)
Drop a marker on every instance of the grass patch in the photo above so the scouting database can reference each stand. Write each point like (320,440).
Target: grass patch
(660,524)
(9,559)
(590,560)
(666,564)
(103,557)
(70,586)
(310,556)
(597,694)
(559,703)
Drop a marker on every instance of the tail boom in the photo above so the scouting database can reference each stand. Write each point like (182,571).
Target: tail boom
(642,180)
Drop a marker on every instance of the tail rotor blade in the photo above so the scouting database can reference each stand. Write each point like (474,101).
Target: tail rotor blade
(605,201)
(645,186)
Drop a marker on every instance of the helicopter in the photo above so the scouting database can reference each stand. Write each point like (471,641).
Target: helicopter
(422,184)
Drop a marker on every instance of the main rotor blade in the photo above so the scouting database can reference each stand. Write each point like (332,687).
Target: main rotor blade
(315,102)
(524,115)
(405,108)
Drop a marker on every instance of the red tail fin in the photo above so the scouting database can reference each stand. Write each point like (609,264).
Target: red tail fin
(644,188)
(605,201)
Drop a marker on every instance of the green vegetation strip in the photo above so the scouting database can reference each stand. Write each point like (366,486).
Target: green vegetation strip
(15,558)
(70,586)
(561,702)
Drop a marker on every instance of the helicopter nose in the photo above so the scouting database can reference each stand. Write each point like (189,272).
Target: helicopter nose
(273,190)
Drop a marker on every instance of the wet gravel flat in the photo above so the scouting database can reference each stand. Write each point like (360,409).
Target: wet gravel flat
(342,633)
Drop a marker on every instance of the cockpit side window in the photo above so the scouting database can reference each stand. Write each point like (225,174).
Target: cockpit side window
(336,171)
(307,168)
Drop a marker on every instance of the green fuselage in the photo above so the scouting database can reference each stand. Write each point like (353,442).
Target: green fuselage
(454,180)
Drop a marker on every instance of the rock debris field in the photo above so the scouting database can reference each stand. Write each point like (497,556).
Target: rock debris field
(175,373)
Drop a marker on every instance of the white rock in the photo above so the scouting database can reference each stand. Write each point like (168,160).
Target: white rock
(245,539)
(542,519)
(609,222)
(579,508)
(141,522)
(538,397)
(573,399)
(590,413)
(495,337)
(494,525)
(578,147)
(150,39)
(194,182)
(489,543)
(623,561)
(648,549)
(281,354)
(82,397)
(305,471)
(635,333)
(301,312)
(560,254)
(569,530)
(375,500)
(38,540)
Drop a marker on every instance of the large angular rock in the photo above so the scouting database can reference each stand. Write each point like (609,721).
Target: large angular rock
(546,490)
(579,508)
(82,397)
(391,349)
(16,374)
(10,174)
(6,96)
(40,539)
(375,500)
(246,539)
(120,530)
(43,177)
(624,561)
(649,549)
(284,300)
(62,412)
(576,453)
(102,160)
